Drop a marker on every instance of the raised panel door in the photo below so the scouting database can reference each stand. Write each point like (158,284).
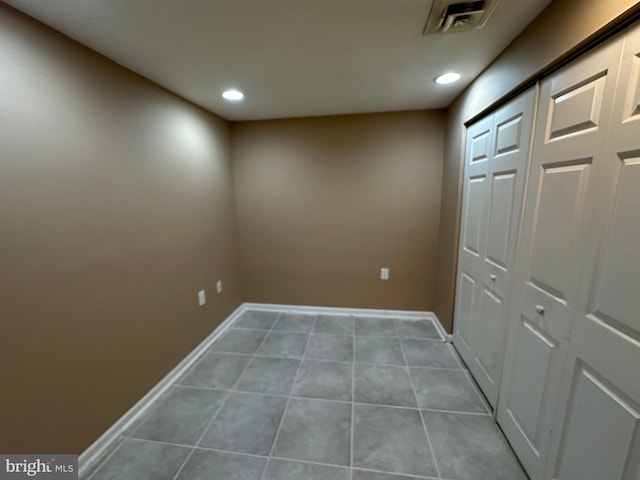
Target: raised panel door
(472,235)
(511,148)
(598,419)
(574,110)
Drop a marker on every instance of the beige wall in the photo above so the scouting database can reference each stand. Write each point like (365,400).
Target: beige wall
(323,203)
(560,29)
(116,207)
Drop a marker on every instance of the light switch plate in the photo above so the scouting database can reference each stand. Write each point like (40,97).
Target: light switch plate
(202,298)
(219,286)
(384,274)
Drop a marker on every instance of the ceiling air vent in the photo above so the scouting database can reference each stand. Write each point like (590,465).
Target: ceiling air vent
(448,16)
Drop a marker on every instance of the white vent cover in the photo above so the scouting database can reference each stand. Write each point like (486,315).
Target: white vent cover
(449,16)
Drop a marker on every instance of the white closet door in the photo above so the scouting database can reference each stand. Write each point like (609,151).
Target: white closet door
(573,114)
(598,421)
(473,229)
(498,149)
(512,126)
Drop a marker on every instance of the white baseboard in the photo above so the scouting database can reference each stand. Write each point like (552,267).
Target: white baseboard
(92,453)
(446,336)
(408,314)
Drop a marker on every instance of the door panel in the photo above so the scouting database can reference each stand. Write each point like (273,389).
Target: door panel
(466,294)
(578,108)
(530,371)
(572,122)
(474,206)
(503,193)
(488,352)
(498,149)
(480,143)
(473,236)
(509,136)
(618,301)
(630,103)
(557,221)
(598,419)
(513,126)
(601,433)
(599,415)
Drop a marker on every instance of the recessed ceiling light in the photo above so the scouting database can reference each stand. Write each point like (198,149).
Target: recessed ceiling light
(448,77)
(233,95)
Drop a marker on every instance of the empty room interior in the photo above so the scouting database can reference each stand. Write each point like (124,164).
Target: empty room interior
(320,239)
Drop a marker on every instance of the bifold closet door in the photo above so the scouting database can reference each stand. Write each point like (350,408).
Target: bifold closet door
(472,234)
(598,421)
(573,116)
(497,153)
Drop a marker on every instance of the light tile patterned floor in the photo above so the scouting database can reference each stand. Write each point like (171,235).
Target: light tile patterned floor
(285,396)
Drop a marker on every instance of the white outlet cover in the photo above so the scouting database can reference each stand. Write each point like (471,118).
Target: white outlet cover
(384,274)
(219,286)
(202,298)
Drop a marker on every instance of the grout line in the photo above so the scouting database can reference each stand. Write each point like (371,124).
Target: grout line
(300,397)
(222,404)
(353,392)
(266,465)
(209,449)
(364,469)
(310,462)
(408,475)
(332,360)
(363,363)
(295,397)
(299,332)
(455,412)
(160,442)
(248,392)
(424,425)
(436,368)
(421,339)
(333,334)
(286,408)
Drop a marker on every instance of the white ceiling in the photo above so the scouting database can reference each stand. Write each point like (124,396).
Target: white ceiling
(291,58)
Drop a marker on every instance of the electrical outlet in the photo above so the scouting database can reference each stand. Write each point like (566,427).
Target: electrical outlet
(202,298)
(384,274)
(219,286)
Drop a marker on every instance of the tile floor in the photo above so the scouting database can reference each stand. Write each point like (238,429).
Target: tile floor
(286,396)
